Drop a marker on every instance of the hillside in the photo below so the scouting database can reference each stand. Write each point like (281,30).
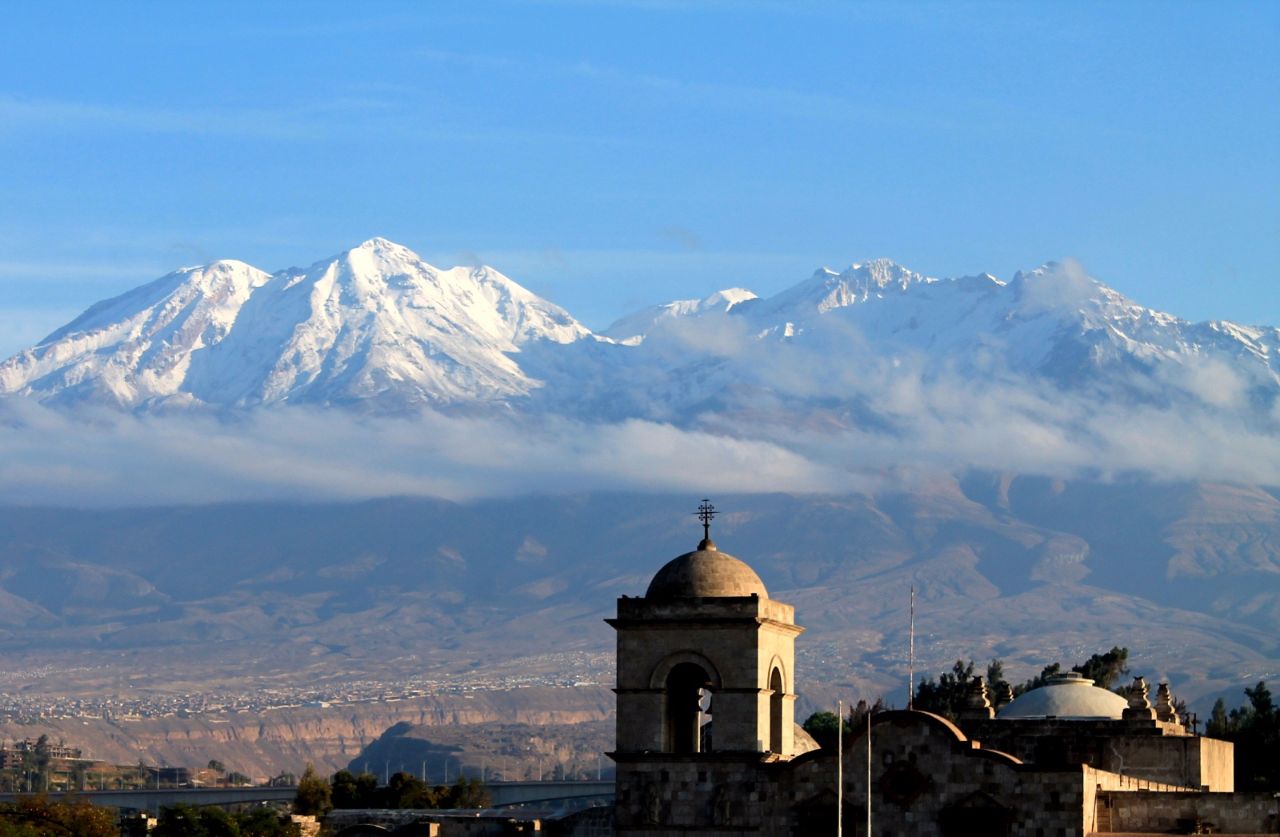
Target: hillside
(312,601)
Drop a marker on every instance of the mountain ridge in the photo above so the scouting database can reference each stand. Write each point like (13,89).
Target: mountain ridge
(873,348)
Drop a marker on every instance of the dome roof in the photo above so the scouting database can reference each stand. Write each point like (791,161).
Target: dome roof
(1070,696)
(705,572)
(803,741)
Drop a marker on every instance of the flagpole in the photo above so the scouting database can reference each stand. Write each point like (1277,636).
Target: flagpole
(911,654)
(839,768)
(868,771)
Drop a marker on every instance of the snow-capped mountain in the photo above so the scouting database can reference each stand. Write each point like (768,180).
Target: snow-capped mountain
(375,323)
(633,327)
(377,326)
(827,290)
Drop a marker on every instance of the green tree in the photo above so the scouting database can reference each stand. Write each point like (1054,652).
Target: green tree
(38,816)
(1254,728)
(857,720)
(180,821)
(1046,674)
(824,727)
(407,791)
(995,678)
(947,696)
(465,793)
(351,791)
(264,822)
(1219,724)
(1105,669)
(42,758)
(238,779)
(342,787)
(314,794)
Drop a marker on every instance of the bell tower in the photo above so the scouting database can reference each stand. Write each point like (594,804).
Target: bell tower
(706,674)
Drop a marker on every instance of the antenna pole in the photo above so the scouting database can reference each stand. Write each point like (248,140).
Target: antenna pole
(911,654)
(839,768)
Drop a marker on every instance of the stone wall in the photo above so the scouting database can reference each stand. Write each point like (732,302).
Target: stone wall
(1147,749)
(673,794)
(1177,812)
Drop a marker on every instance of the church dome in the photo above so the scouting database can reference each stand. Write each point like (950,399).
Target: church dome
(1069,696)
(703,573)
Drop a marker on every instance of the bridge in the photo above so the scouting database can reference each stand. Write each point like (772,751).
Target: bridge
(506,794)
(155,798)
(501,794)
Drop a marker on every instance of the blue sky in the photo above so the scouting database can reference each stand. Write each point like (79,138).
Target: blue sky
(611,155)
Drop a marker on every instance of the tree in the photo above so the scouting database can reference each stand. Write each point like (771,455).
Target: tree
(857,720)
(190,821)
(948,696)
(314,794)
(238,779)
(1255,730)
(264,822)
(824,727)
(181,821)
(407,791)
(38,816)
(1046,674)
(465,793)
(42,758)
(995,678)
(343,789)
(1219,723)
(1105,669)
(351,791)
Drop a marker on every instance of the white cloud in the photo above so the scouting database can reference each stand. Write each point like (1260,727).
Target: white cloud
(112,458)
(931,424)
(1059,286)
(1212,380)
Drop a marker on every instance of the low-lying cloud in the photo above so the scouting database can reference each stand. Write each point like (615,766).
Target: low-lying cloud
(923,422)
(111,458)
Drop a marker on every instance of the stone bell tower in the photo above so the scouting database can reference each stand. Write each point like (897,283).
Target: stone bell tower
(706,674)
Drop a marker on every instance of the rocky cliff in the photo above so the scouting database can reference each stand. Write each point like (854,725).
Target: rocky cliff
(268,743)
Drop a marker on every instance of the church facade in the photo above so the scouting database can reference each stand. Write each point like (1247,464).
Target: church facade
(707,741)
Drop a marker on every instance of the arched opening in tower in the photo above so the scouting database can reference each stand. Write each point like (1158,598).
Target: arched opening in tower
(775,711)
(688,687)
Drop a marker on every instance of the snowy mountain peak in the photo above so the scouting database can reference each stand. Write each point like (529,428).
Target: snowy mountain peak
(827,290)
(377,326)
(380,243)
(374,322)
(634,327)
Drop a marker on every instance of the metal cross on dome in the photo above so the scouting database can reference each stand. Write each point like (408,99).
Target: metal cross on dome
(705,512)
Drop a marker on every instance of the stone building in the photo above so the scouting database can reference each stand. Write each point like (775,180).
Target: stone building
(707,741)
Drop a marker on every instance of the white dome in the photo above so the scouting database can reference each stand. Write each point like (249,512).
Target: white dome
(1069,696)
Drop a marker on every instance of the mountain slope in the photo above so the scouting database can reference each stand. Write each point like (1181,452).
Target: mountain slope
(633,327)
(377,327)
(844,342)
(373,323)
(506,591)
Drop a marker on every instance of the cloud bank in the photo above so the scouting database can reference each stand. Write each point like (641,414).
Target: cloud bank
(922,422)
